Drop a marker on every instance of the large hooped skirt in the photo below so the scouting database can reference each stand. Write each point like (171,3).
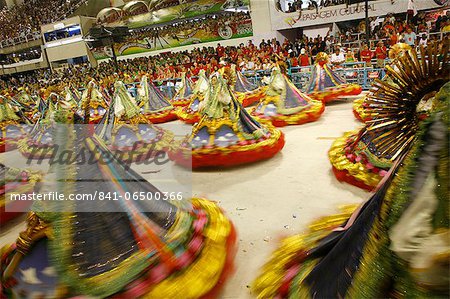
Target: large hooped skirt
(305,116)
(352,172)
(212,250)
(359,110)
(237,154)
(250,98)
(331,94)
(161,117)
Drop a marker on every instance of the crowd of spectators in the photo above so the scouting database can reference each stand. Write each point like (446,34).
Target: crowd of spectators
(169,3)
(170,65)
(29,54)
(183,29)
(393,28)
(25,19)
(298,53)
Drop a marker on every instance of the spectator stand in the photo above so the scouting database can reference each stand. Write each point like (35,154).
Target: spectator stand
(30,16)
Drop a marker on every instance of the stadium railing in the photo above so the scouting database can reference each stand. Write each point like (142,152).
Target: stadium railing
(20,40)
(355,72)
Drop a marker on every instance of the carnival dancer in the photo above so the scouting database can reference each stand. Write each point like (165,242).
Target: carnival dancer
(98,103)
(247,93)
(39,143)
(128,132)
(151,248)
(153,104)
(181,97)
(226,134)
(11,125)
(25,99)
(353,157)
(28,104)
(72,96)
(190,113)
(283,104)
(325,85)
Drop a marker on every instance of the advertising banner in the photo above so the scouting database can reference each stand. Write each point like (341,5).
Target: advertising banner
(338,13)
(165,39)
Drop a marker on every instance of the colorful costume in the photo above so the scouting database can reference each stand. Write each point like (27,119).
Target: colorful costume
(181,97)
(360,110)
(153,104)
(72,96)
(325,85)
(247,93)
(189,113)
(143,249)
(27,102)
(38,109)
(353,156)
(396,244)
(11,126)
(39,142)
(226,134)
(25,99)
(17,181)
(284,104)
(97,102)
(128,132)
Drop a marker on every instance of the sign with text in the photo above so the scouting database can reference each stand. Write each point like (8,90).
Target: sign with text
(338,13)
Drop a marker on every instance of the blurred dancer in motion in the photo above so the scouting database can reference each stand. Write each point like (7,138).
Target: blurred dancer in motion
(325,85)
(189,113)
(226,134)
(354,157)
(120,248)
(284,104)
(153,104)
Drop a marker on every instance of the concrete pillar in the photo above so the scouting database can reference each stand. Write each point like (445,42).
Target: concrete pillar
(262,26)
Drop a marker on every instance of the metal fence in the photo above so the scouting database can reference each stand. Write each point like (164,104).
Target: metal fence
(355,72)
